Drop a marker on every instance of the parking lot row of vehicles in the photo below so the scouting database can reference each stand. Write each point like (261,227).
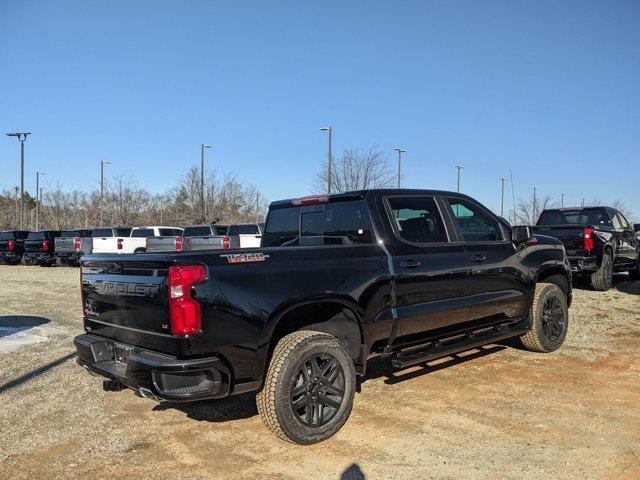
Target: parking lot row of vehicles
(410,275)
(51,247)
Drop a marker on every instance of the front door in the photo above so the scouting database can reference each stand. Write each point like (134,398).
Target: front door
(499,284)
(431,270)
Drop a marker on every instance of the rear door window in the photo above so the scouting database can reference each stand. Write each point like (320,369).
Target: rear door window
(6,236)
(417,219)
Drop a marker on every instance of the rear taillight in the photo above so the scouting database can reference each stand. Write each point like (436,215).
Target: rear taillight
(587,239)
(76,243)
(45,245)
(226,242)
(184,310)
(11,245)
(119,244)
(179,243)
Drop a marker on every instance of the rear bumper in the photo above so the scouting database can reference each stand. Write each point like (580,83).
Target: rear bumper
(583,264)
(166,377)
(10,255)
(37,258)
(69,257)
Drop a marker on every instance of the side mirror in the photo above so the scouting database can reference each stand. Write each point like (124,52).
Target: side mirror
(636,227)
(521,233)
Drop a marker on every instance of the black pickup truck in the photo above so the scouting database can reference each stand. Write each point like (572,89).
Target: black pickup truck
(598,240)
(411,275)
(40,247)
(12,246)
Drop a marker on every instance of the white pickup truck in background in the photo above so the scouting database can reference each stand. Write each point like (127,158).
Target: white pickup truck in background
(246,235)
(136,242)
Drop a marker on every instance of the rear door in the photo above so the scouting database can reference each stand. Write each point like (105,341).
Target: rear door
(431,268)
(499,285)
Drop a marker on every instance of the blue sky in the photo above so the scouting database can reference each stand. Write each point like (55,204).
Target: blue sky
(550,89)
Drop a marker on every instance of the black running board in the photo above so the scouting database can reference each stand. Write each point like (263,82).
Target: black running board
(466,342)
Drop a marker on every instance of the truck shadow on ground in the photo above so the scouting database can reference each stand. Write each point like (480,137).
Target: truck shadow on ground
(244,406)
(10,324)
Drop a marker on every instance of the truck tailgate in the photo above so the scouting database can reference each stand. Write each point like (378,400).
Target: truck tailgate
(569,235)
(65,245)
(126,300)
(206,243)
(105,244)
(165,244)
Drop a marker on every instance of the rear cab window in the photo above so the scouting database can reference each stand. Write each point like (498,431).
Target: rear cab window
(334,223)
(584,216)
(142,232)
(197,231)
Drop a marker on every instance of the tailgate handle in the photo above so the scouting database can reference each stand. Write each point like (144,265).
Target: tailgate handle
(410,263)
(478,258)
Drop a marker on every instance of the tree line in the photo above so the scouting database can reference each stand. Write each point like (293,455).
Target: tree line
(226,199)
(127,203)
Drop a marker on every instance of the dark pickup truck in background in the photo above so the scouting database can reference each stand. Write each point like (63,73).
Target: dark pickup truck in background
(410,275)
(598,241)
(40,248)
(71,245)
(12,246)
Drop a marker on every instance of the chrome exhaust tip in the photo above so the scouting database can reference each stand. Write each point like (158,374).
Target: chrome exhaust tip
(148,394)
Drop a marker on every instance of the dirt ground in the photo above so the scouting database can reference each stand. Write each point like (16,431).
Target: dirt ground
(498,412)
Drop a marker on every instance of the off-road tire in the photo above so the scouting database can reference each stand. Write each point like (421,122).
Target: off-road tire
(274,400)
(538,339)
(602,279)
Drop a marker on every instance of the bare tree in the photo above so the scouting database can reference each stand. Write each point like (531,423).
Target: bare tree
(355,170)
(527,211)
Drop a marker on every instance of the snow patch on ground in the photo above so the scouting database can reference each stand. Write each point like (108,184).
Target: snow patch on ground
(14,338)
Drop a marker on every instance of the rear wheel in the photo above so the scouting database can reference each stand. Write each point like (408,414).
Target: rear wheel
(309,388)
(602,279)
(549,319)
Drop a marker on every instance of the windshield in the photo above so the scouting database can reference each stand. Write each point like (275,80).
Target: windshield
(37,236)
(587,216)
(6,235)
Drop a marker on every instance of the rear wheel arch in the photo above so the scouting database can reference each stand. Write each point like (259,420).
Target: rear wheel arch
(333,316)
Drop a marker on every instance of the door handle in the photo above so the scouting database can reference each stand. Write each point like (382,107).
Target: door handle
(410,264)
(478,258)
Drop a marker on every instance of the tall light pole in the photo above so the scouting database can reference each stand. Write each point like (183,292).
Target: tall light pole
(535,204)
(102,164)
(202,202)
(22,137)
(329,158)
(561,200)
(38,198)
(400,152)
(459,167)
(502,180)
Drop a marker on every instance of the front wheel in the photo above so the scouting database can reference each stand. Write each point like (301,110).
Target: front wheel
(549,319)
(309,388)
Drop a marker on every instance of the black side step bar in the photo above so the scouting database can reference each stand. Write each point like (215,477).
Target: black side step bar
(467,342)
